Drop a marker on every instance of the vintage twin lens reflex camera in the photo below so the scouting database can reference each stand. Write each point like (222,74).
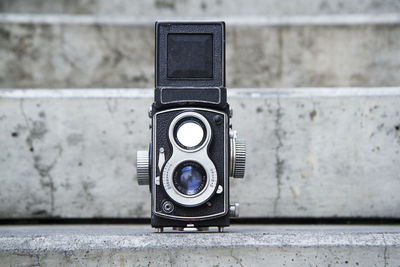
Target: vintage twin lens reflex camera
(193,150)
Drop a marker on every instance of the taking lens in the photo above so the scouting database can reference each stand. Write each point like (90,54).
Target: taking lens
(189,178)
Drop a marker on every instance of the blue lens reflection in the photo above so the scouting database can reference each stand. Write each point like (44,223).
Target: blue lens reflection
(190,180)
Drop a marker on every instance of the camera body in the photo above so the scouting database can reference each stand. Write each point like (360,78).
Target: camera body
(193,150)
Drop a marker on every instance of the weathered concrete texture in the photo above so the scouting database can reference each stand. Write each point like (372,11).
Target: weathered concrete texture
(68,55)
(311,152)
(313,56)
(76,55)
(164,8)
(319,156)
(72,157)
(240,246)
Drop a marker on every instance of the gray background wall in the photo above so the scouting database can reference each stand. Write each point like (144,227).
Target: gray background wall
(71,51)
(312,152)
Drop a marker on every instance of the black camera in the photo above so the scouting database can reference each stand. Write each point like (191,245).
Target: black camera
(193,150)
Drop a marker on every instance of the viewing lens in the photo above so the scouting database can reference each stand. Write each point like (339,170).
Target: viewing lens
(190,133)
(189,178)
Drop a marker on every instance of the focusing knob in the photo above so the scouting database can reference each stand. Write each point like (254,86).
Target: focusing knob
(142,167)
(237,156)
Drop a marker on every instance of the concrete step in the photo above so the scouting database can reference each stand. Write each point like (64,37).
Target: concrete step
(253,245)
(172,8)
(71,51)
(312,152)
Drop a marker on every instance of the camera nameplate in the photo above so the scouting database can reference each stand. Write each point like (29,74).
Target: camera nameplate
(200,95)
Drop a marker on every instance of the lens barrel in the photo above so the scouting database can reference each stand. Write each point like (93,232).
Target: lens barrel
(189,178)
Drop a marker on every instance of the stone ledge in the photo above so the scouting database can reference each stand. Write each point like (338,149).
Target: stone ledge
(241,245)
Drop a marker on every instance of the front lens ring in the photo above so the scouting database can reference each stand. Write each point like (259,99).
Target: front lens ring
(183,117)
(189,178)
(183,121)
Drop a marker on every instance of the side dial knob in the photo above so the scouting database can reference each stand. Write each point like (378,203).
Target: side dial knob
(237,156)
(142,167)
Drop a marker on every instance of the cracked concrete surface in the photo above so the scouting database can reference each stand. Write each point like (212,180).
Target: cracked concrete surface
(279,163)
(37,131)
(317,156)
(60,149)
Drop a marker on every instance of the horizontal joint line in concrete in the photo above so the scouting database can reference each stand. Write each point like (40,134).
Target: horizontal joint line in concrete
(296,20)
(232,93)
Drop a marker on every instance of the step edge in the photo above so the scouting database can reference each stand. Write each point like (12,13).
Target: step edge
(257,20)
(29,93)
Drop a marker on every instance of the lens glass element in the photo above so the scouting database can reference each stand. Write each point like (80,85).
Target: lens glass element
(190,133)
(189,178)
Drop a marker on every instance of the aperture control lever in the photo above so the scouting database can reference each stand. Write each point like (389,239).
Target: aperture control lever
(143,167)
(237,161)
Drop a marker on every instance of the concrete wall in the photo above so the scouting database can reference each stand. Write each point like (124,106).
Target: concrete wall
(164,8)
(107,52)
(311,152)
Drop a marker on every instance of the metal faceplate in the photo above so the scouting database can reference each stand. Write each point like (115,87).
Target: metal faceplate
(166,157)
(198,155)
